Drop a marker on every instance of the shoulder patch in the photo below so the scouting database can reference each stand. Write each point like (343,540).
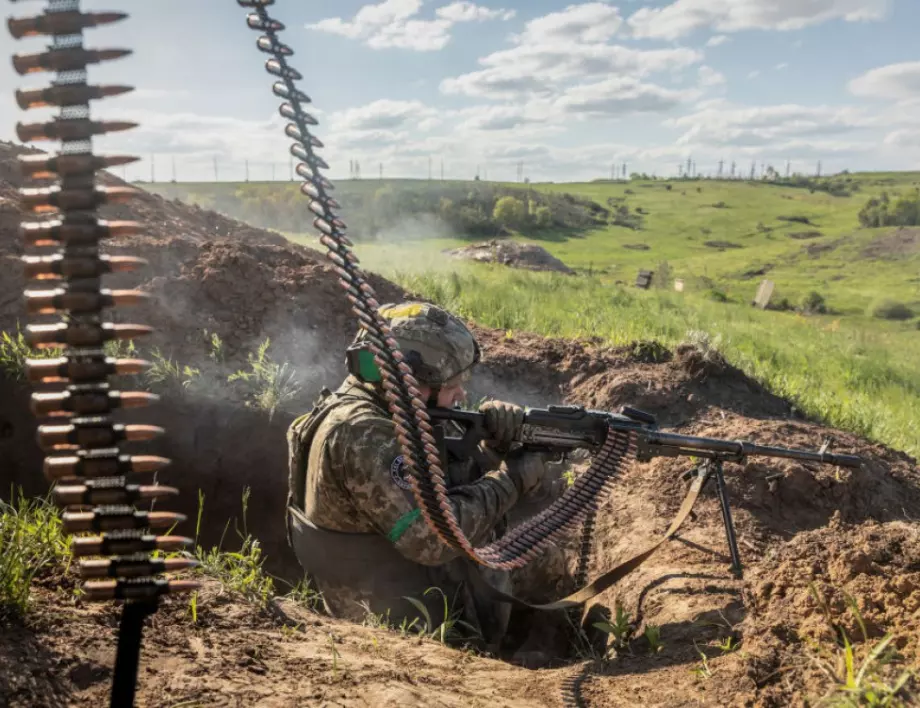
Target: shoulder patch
(398,473)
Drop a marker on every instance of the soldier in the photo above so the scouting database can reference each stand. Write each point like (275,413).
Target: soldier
(352,519)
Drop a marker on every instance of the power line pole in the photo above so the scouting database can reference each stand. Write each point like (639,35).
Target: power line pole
(247,170)
(381,171)
(721,165)
(216,174)
(174,167)
(819,169)
(273,172)
(429,168)
(152,170)
(734,166)
(442,169)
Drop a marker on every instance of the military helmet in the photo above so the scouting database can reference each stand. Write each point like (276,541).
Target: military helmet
(436,345)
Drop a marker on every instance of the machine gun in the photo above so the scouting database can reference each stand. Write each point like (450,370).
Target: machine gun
(562,429)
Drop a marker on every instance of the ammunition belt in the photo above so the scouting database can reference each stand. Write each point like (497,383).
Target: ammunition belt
(520,544)
(73,397)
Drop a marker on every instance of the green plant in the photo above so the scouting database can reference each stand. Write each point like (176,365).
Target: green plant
(15,352)
(813,303)
(164,371)
(31,540)
(886,309)
(702,670)
(652,635)
(240,571)
(620,628)
(270,384)
(447,629)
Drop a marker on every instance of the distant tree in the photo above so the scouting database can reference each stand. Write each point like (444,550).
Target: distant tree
(510,212)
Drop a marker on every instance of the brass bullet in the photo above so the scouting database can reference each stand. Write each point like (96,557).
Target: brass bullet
(69,129)
(273,66)
(73,59)
(47,302)
(94,435)
(56,232)
(98,491)
(101,465)
(273,46)
(268,25)
(69,22)
(46,199)
(288,111)
(122,544)
(112,519)
(66,403)
(60,266)
(50,166)
(66,95)
(81,334)
(82,369)
(134,567)
(103,590)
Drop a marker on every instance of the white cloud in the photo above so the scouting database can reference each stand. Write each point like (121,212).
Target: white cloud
(685,16)
(393,24)
(619,96)
(781,66)
(728,125)
(710,77)
(588,22)
(469,12)
(544,67)
(753,74)
(717,40)
(384,114)
(895,81)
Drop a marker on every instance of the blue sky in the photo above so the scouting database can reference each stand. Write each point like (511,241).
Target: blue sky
(567,88)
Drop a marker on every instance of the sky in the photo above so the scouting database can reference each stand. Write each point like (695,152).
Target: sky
(567,89)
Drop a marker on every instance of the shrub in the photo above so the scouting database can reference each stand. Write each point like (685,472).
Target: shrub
(881,211)
(890,310)
(510,212)
(813,304)
(543,217)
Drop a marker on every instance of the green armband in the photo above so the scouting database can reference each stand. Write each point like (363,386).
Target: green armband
(402,525)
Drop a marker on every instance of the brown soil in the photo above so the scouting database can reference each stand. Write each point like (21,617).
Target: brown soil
(895,245)
(514,255)
(850,532)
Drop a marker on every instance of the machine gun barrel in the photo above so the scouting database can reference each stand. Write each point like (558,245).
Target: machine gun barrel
(673,445)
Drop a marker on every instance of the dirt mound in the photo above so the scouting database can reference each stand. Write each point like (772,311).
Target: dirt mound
(163,219)
(894,246)
(238,655)
(840,583)
(514,255)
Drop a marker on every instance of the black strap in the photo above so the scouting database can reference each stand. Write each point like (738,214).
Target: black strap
(608,579)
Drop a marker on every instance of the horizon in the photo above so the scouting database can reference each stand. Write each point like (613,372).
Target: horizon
(571,90)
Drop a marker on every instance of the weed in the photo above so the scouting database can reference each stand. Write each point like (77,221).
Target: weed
(702,670)
(240,571)
(166,372)
(31,539)
(15,353)
(445,630)
(620,628)
(652,635)
(270,385)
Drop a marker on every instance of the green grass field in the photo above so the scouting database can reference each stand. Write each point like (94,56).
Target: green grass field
(851,370)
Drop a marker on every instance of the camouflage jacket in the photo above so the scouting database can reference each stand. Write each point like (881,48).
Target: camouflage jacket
(355,480)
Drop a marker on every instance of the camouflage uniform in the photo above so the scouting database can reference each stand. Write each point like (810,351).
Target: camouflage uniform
(346,476)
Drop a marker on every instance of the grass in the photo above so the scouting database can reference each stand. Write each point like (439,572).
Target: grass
(862,377)
(31,540)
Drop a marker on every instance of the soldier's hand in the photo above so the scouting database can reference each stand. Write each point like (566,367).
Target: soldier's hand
(528,470)
(503,420)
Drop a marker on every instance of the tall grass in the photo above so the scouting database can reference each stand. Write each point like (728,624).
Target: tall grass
(31,539)
(851,375)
